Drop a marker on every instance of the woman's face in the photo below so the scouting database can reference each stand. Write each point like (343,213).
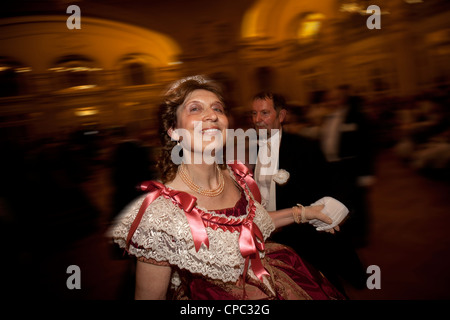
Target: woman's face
(202,121)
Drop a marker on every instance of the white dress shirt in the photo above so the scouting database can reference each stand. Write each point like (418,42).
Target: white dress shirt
(330,132)
(266,167)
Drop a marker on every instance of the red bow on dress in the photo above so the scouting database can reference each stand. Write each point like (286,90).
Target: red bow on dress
(184,200)
(251,240)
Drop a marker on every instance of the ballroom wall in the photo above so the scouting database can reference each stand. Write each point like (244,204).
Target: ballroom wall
(111,72)
(105,74)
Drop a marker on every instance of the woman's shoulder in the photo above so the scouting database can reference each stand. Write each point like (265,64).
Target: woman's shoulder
(152,207)
(160,214)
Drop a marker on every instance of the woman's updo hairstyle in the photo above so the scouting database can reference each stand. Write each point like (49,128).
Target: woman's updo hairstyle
(173,98)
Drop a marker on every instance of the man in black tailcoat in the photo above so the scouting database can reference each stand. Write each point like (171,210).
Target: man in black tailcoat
(309,177)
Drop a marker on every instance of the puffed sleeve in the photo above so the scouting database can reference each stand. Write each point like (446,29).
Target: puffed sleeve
(162,236)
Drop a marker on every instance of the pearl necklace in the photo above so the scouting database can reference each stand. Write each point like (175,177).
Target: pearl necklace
(196,188)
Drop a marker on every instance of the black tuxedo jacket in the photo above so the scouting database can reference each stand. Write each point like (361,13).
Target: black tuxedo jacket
(308,169)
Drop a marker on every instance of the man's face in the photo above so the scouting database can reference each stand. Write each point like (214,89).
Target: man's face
(264,115)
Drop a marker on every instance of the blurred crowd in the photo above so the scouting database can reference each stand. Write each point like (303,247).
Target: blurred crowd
(417,128)
(58,190)
(424,131)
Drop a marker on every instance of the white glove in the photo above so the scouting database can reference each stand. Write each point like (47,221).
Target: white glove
(332,208)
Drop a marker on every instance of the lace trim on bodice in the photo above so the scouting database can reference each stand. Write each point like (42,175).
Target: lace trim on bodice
(164,235)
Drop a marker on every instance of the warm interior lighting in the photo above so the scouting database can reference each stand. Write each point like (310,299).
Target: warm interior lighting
(82,112)
(84,87)
(249,24)
(74,69)
(130,104)
(355,7)
(309,29)
(310,26)
(24,69)
(351,7)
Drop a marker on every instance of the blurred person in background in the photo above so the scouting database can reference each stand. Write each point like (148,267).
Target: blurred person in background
(131,164)
(425,133)
(346,139)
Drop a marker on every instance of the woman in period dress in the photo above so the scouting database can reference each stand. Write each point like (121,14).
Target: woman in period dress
(199,232)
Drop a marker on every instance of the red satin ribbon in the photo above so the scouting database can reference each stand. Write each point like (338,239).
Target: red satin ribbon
(184,200)
(250,247)
(251,240)
(246,176)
